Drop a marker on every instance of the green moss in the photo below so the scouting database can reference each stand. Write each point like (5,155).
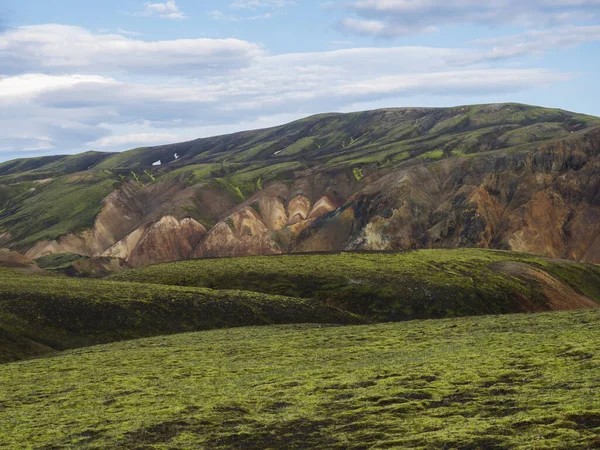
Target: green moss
(137,180)
(195,173)
(300,146)
(420,284)
(40,167)
(58,260)
(358,174)
(150,175)
(234,191)
(247,181)
(60,312)
(123,160)
(534,133)
(435,154)
(509,382)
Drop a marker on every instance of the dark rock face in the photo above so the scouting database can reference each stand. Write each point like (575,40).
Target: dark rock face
(542,201)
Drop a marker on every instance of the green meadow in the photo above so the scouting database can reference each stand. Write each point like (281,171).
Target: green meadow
(497,382)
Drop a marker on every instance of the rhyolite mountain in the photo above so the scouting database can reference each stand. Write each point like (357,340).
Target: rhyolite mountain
(504,176)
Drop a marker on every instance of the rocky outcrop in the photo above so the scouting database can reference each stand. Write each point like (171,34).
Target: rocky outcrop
(323,206)
(241,234)
(166,239)
(273,213)
(545,202)
(298,209)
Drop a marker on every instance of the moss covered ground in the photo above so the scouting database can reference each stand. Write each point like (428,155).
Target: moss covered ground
(384,287)
(59,312)
(58,260)
(496,382)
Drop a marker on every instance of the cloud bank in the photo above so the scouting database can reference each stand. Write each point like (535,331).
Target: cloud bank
(56,48)
(392,18)
(112,92)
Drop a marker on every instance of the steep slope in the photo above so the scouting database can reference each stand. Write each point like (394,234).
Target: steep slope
(543,200)
(384,287)
(506,176)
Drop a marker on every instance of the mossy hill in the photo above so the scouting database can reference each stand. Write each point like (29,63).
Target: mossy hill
(399,286)
(40,313)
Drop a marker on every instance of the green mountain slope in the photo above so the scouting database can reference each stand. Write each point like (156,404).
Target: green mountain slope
(507,382)
(34,168)
(507,176)
(380,136)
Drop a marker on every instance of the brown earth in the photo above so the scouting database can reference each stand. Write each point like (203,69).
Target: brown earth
(559,296)
(16,260)
(544,202)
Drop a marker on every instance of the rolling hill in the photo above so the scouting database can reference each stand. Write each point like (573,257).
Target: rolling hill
(385,287)
(43,312)
(506,176)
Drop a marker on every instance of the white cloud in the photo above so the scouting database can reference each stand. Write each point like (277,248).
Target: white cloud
(389,18)
(252,5)
(88,110)
(59,48)
(127,33)
(135,140)
(341,43)
(166,10)
(359,26)
(539,41)
(24,88)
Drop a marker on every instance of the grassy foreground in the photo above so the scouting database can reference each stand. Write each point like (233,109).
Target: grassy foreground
(400,286)
(497,382)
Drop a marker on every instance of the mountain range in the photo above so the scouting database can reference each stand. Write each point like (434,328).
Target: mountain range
(503,176)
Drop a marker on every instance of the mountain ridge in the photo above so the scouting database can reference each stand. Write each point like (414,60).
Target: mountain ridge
(391,179)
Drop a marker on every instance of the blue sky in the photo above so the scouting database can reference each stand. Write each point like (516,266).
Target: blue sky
(114,75)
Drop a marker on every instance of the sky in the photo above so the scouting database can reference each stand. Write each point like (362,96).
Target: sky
(114,75)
